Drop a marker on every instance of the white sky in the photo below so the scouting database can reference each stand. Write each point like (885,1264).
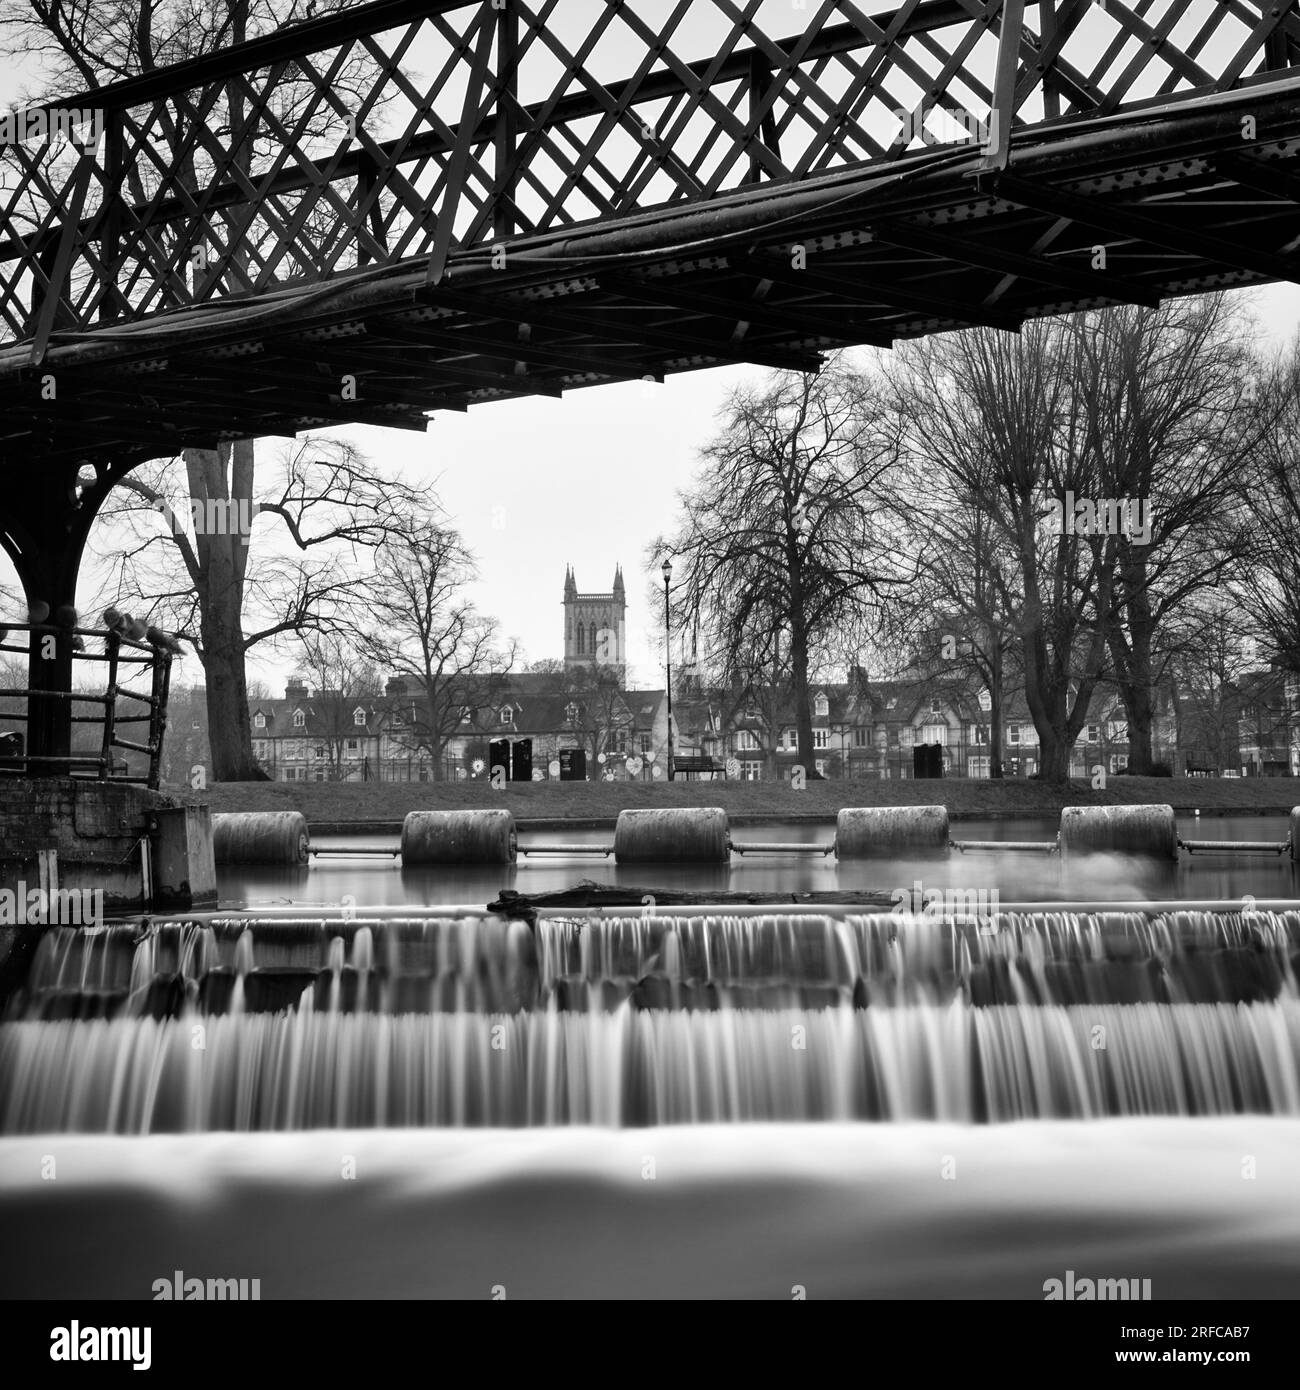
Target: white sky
(590,480)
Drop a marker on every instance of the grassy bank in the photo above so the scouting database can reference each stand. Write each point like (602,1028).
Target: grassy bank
(387,802)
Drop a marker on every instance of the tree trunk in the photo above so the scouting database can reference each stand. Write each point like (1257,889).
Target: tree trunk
(802,700)
(1137,705)
(1053,755)
(995,711)
(227,699)
(1133,666)
(222,559)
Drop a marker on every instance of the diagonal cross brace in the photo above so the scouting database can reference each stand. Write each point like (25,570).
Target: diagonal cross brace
(459,162)
(69,239)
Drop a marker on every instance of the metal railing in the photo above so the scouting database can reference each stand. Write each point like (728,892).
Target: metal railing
(17,759)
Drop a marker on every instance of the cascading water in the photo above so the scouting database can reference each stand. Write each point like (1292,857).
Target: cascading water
(238,1024)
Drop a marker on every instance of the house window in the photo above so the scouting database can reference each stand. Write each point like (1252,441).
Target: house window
(1013,733)
(822,707)
(906,736)
(980,733)
(986,700)
(571,713)
(320,774)
(299,719)
(1094,733)
(358,717)
(645,743)
(751,771)
(934,733)
(861,737)
(977,767)
(354,745)
(507,714)
(935,707)
(259,721)
(1118,762)
(821,738)
(397,721)
(320,750)
(745,740)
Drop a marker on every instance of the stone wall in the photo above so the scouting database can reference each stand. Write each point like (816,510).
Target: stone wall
(97,829)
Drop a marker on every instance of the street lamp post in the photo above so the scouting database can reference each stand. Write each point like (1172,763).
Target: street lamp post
(668,663)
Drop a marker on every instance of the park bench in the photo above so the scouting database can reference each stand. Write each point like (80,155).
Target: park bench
(691,766)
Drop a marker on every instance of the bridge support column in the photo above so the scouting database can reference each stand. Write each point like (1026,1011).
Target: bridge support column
(44,526)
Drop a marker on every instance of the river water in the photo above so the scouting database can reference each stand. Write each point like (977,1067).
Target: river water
(837,1103)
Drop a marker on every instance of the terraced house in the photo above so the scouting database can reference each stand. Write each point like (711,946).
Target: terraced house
(874,729)
(326,736)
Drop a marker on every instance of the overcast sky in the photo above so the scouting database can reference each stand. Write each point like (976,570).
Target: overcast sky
(590,480)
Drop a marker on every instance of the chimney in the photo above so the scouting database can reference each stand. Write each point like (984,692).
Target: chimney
(295,688)
(395,687)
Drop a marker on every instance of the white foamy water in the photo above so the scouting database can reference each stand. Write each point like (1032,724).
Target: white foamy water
(1202,1208)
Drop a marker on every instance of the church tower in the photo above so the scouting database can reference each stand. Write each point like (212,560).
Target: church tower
(595,627)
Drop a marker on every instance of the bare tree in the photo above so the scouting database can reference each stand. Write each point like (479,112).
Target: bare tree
(426,629)
(187,559)
(993,420)
(343,681)
(597,716)
(553,668)
(1168,419)
(1266,585)
(956,615)
(1204,676)
(781,542)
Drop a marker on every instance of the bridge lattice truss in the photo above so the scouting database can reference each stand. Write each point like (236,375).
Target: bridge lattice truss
(406,207)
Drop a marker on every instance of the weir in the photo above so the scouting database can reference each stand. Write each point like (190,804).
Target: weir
(237,1022)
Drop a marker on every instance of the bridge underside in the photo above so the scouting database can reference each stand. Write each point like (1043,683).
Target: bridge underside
(1125,209)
